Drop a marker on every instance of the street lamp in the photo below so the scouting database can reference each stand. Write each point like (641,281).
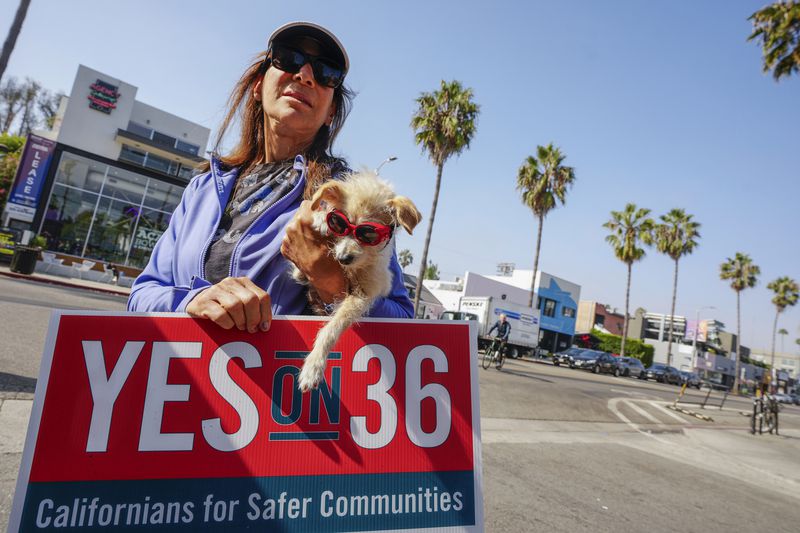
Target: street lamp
(694,340)
(387,160)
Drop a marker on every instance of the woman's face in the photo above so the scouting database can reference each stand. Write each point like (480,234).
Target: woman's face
(295,105)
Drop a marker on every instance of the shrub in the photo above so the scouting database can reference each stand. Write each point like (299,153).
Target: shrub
(633,347)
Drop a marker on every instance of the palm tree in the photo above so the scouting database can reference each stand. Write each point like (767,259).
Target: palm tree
(432,272)
(742,274)
(405,258)
(782,332)
(13,33)
(629,228)
(444,124)
(543,182)
(778,28)
(676,236)
(786,294)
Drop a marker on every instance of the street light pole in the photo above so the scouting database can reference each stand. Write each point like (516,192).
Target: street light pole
(387,160)
(696,328)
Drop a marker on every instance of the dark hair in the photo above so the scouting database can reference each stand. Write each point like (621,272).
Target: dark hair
(250,147)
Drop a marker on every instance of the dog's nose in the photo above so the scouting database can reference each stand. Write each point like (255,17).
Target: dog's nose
(345,259)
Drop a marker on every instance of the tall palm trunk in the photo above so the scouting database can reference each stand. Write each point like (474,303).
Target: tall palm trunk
(672,314)
(736,379)
(536,259)
(774,333)
(424,263)
(627,304)
(13,33)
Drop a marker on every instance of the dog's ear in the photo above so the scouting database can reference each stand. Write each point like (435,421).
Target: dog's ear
(330,192)
(405,212)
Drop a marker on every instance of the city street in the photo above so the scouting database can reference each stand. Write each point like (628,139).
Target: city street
(563,450)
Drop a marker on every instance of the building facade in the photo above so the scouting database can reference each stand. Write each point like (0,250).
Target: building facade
(115,172)
(594,315)
(556,298)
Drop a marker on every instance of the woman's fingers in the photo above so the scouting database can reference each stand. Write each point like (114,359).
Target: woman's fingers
(234,302)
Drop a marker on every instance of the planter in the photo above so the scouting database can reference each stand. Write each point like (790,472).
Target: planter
(24,260)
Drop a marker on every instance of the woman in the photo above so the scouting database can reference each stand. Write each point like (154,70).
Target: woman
(224,254)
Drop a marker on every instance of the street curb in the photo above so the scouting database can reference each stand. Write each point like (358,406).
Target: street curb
(63,283)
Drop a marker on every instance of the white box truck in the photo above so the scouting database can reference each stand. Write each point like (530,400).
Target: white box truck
(524,335)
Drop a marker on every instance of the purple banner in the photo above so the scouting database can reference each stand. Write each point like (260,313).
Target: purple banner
(36,157)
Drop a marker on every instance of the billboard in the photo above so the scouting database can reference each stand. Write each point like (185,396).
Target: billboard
(168,423)
(701,329)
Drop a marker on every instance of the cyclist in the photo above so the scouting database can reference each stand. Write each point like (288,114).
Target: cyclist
(503,329)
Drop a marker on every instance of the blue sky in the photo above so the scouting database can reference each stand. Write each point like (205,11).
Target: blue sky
(658,103)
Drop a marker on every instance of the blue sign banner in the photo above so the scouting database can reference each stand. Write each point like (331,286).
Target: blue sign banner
(367,502)
(28,182)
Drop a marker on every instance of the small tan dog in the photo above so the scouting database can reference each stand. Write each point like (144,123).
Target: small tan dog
(360,213)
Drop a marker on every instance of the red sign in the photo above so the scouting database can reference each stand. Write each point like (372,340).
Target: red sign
(174,423)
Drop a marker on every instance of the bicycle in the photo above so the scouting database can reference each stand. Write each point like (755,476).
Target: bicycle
(765,413)
(493,354)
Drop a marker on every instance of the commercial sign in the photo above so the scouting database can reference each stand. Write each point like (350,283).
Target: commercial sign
(103,96)
(146,238)
(163,422)
(31,172)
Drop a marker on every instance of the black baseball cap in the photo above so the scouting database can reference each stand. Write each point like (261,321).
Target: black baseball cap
(331,45)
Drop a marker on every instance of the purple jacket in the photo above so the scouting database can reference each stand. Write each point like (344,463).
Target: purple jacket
(175,273)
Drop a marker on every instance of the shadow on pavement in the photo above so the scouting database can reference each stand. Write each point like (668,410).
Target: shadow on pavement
(15,383)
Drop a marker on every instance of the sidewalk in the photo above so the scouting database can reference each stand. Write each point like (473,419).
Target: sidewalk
(62,281)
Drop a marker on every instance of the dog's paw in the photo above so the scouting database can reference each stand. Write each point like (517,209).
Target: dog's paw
(310,376)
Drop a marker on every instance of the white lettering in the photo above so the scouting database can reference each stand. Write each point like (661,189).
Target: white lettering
(105,390)
(378,392)
(244,406)
(151,438)
(42,521)
(415,394)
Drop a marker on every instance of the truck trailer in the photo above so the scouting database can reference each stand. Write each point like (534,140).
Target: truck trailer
(523,338)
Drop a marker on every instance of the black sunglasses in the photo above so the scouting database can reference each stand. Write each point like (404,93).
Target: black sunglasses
(291,60)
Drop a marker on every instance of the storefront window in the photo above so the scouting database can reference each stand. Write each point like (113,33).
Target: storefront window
(106,213)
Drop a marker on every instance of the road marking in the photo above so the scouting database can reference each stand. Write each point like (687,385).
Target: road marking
(644,413)
(667,411)
(612,406)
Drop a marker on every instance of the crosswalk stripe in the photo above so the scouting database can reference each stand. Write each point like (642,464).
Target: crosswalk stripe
(667,411)
(642,412)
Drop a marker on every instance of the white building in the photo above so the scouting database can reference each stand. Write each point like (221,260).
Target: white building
(556,298)
(103,183)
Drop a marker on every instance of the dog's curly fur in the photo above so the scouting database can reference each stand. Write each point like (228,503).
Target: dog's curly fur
(362,197)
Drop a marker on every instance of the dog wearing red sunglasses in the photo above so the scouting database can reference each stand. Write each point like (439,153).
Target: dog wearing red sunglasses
(359,214)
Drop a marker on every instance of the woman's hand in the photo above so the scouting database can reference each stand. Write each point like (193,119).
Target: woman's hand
(309,251)
(234,302)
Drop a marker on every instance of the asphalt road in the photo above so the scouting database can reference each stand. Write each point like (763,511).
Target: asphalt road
(562,450)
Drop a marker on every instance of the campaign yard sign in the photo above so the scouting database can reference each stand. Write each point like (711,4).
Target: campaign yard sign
(163,422)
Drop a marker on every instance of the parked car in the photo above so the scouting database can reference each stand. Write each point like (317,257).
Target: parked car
(783,398)
(585,359)
(631,367)
(565,357)
(663,374)
(607,364)
(691,379)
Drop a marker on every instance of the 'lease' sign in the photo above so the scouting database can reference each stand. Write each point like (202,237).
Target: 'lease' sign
(169,423)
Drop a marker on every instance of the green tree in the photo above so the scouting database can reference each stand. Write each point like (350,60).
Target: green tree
(782,332)
(676,236)
(543,182)
(777,27)
(629,228)
(444,124)
(431,271)
(10,153)
(786,294)
(405,258)
(742,274)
